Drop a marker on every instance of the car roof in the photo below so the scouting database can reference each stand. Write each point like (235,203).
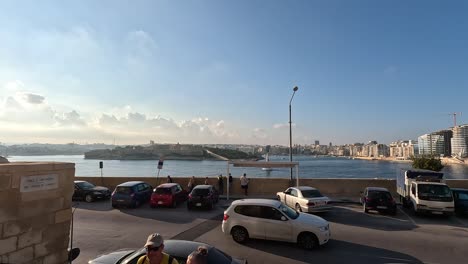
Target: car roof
(432,183)
(79,181)
(269,202)
(459,189)
(380,189)
(203,186)
(167,185)
(129,183)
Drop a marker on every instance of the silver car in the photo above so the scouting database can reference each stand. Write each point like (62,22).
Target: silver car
(305,199)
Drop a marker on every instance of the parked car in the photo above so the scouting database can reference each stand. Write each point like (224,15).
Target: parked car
(202,196)
(179,249)
(273,220)
(461,200)
(378,199)
(304,199)
(89,192)
(131,194)
(168,194)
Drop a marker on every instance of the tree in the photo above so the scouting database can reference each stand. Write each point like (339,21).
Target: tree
(426,162)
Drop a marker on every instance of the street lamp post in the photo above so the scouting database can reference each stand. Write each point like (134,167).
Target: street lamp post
(290,131)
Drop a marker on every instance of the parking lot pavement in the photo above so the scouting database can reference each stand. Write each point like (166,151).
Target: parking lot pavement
(98,228)
(363,238)
(356,237)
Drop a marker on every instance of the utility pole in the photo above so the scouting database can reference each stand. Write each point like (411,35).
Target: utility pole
(455,118)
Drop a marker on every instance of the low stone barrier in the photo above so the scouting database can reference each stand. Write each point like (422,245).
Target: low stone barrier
(270,186)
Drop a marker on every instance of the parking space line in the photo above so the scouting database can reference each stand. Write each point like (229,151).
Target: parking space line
(411,219)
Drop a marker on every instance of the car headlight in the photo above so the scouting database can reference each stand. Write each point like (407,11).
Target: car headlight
(324,228)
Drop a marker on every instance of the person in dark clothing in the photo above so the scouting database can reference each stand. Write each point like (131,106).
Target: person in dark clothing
(220,184)
(169,179)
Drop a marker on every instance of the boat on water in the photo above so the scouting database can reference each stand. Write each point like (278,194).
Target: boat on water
(267,159)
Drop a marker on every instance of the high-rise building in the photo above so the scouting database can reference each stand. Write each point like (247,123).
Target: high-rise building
(447,134)
(431,144)
(460,141)
(317,142)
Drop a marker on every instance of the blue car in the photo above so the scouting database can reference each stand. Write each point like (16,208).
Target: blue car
(460,197)
(131,194)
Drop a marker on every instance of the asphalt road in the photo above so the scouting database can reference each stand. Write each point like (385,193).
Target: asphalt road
(356,237)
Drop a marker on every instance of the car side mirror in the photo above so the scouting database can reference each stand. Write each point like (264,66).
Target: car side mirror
(283,218)
(73,254)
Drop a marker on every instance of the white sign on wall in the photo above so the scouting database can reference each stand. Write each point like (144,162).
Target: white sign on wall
(38,183)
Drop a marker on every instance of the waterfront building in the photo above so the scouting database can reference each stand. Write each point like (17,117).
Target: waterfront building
(460,141)
(402,149)
(432,144)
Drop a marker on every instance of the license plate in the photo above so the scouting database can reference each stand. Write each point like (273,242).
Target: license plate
(160,202)
(319,203)
(381,207)
(198,204)
(436,212)
(120,200)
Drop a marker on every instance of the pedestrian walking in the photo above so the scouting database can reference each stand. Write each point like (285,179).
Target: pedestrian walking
(220,184)
(244,183)
(169,179)
(154,252)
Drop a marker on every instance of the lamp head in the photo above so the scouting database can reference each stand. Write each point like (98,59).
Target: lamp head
(295,88)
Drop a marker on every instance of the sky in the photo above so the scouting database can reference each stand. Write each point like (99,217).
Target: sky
(223,72)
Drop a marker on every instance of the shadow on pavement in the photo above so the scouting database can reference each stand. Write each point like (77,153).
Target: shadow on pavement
(335,251)
(101,205)
(348,216)
(433,219)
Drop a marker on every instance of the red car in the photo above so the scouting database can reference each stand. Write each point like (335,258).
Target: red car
(168,194)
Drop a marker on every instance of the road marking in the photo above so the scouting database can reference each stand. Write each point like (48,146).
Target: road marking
(412,220)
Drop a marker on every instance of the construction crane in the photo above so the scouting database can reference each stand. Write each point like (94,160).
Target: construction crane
(455,118)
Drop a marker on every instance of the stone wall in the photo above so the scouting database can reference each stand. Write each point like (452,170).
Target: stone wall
(269,186)
(35,212)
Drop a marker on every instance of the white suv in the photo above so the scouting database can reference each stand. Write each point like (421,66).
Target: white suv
(273,220)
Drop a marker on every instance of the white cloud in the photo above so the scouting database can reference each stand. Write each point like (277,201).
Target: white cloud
(69,119)
(280,125)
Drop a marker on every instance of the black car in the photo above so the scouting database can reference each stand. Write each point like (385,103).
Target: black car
(460,197)
(89,192)
(179,249)
(378,199)
(131,194)
(202,196)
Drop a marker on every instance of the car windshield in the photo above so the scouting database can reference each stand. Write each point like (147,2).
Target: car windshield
(132,257)
(85,185)
(163,191)
(123,190)
(311,194)
(379,195)
(200,191)
(431,190)
(291,213)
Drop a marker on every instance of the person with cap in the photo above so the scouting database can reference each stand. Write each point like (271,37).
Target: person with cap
(154,252)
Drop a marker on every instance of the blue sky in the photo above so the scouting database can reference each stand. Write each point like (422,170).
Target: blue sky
(223,71)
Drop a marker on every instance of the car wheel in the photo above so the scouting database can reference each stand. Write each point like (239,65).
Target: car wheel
(189,206)
(210,205)
(364,207)
(88,198)
(278,198)
(298,208)
(114,206)
(174,203)
(307,241)
(392,212)
(239,234)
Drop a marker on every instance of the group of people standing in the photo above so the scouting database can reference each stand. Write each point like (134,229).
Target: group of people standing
(244,181)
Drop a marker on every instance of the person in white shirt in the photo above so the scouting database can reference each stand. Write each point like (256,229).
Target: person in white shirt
(244,183)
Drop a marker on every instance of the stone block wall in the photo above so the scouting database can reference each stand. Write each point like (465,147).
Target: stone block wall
(35,212)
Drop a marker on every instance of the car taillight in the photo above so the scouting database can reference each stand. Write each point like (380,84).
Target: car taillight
(132,195)
(392,201)
(190,196)
(311,203)
(368,199)
(225,218)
